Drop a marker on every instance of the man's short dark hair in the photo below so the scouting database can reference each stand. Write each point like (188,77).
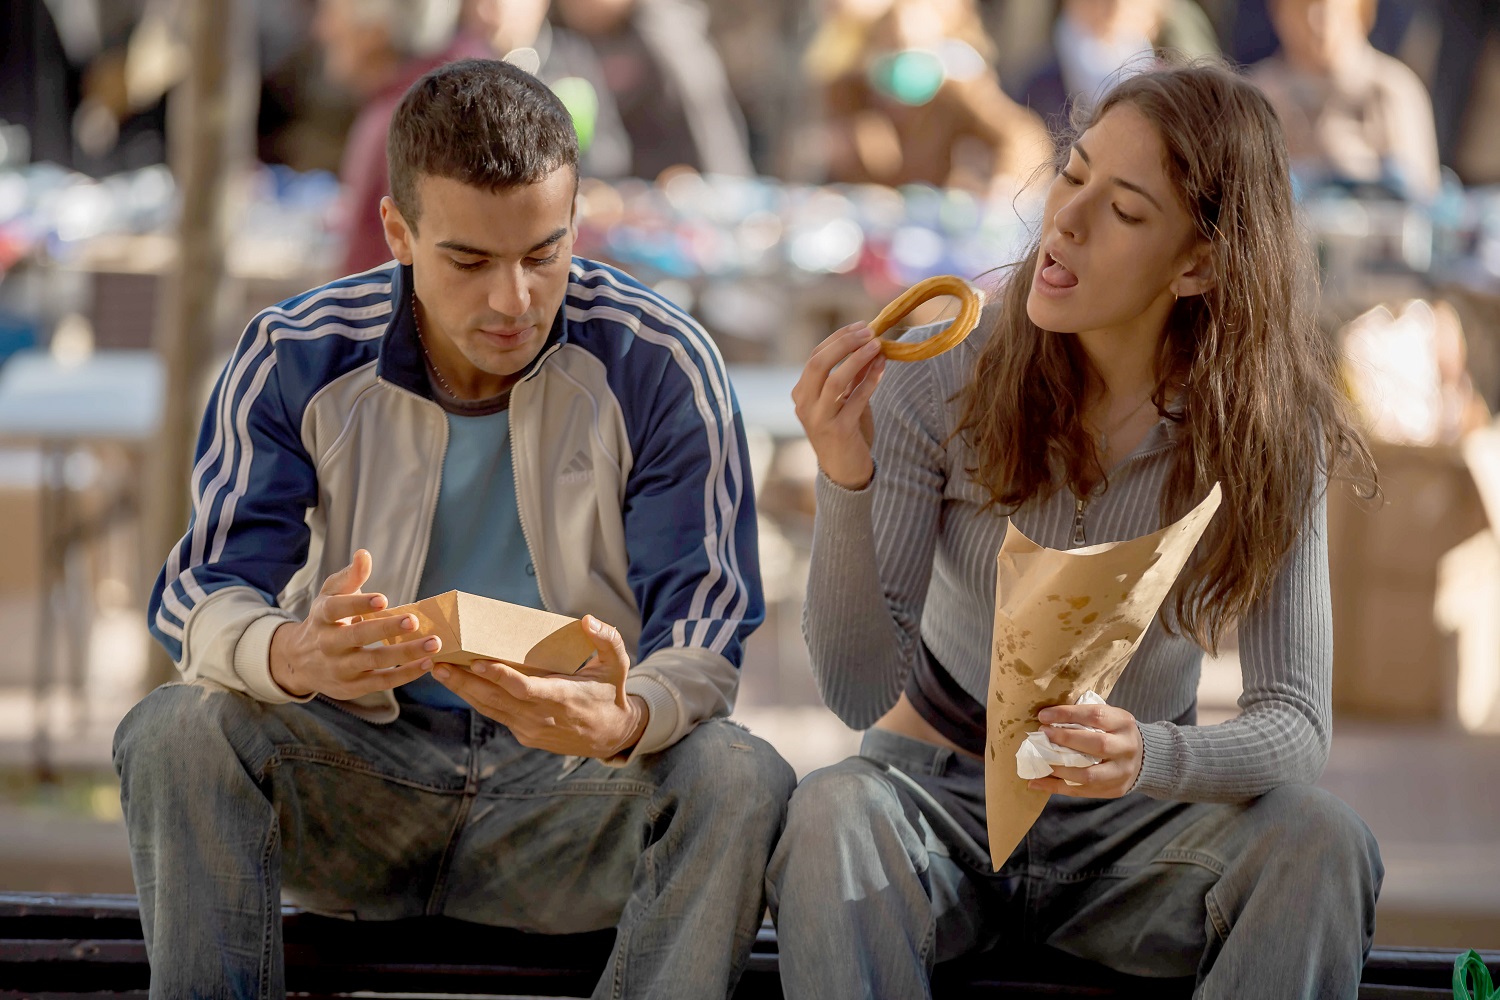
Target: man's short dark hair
(481,122)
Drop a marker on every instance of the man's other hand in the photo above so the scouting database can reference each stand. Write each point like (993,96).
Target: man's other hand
(326,654)
(587,714)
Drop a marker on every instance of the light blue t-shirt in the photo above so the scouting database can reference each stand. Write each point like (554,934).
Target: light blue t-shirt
(477,545)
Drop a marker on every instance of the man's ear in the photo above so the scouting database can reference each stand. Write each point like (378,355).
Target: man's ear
(399,236)
(1198,275)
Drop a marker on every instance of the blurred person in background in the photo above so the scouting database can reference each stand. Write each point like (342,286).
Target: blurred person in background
(40,74)
(1468,28)
(89,80)
(667,81)
(910,97)
(1352,114)
(304,116)
(1096,42)
(92,80)
(377,49)
(1249,36)
(520,32)
(760,46)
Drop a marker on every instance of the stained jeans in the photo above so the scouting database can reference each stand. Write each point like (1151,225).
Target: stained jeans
(1274,898)
(229,801)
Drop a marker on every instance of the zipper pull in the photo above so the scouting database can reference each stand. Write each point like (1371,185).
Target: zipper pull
(1078,538)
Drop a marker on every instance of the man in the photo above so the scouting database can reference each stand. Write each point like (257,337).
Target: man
(492,415)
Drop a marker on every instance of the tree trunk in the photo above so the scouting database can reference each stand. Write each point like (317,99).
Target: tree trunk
(211,132)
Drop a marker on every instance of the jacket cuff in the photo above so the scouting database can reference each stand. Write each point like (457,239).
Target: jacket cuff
(1159,760)
(661,723)
(252,661)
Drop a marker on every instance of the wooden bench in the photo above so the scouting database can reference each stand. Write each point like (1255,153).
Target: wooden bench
(78,946)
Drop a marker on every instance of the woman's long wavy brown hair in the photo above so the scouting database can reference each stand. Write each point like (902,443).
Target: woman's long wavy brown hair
(1249,375)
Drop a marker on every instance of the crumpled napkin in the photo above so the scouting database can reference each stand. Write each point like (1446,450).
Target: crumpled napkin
(1036,757)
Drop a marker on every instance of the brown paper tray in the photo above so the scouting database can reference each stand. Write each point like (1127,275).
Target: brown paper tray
(481,628)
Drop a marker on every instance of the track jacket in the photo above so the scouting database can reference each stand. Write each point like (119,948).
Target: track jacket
(321,437)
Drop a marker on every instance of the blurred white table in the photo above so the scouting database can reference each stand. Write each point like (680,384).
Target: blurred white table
(106,396)
(765,397)
(61,408)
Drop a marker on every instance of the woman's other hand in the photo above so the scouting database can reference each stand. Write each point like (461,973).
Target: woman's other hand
(1118,748)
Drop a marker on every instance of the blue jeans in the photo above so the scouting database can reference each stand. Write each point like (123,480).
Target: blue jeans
(229,801)
(1272,898)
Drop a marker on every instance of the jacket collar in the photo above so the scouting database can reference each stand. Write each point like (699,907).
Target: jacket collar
(401,362)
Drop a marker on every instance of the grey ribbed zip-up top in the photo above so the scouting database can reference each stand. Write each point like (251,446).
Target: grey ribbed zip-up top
(911,558)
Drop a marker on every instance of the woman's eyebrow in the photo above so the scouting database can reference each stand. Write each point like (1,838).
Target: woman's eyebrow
(1127,185)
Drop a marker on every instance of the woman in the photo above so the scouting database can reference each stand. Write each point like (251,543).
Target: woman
(1154,341)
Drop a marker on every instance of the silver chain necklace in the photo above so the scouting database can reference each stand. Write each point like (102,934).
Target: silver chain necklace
(422,341)
(1103,436)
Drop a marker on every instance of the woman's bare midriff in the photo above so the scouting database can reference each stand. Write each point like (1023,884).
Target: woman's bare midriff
(905,720)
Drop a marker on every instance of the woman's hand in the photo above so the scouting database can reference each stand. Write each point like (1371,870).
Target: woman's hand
(1118,748)
(833,403)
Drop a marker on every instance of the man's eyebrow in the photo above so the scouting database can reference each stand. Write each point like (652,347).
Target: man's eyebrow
(464,248)
(557,234)
(473,251)
(1127,185)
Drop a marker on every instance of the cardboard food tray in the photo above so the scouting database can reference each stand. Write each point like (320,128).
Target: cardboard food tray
(481,628)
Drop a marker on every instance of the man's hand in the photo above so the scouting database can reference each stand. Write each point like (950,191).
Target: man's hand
(586,714)
(1118,748)
(325,654)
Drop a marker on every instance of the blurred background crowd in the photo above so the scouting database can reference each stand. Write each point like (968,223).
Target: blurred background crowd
(779,168)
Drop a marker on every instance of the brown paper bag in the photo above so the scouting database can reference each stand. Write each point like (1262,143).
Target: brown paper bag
(481,628)
(1066,622)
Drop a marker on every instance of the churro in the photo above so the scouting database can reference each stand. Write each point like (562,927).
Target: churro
(963,324)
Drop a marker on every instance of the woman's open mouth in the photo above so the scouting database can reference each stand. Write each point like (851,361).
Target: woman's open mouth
(1054,276)
(1056,273)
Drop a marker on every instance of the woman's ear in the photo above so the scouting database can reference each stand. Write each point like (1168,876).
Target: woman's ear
(1198,275)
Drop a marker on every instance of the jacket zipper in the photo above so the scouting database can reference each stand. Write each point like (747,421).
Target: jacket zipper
(515,473)
(1081,506)
(432,508)
(412,585)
